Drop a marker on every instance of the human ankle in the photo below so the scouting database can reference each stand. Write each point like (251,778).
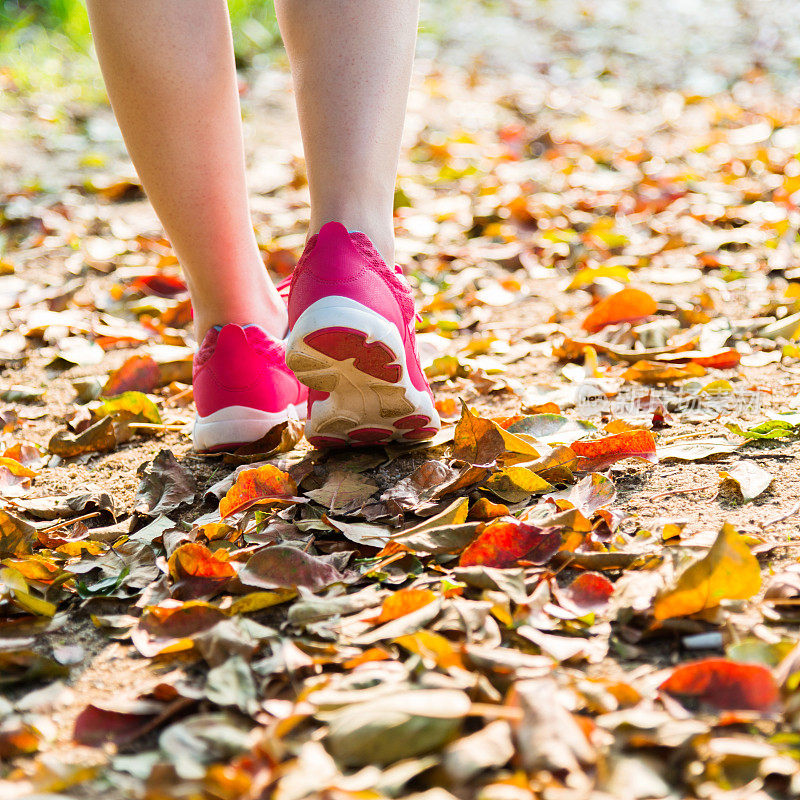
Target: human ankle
(270,315)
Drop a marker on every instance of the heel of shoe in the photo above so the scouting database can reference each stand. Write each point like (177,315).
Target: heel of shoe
(336,331)
(234,426)
(356,359)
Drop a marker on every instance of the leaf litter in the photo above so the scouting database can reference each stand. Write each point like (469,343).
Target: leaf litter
(587,583)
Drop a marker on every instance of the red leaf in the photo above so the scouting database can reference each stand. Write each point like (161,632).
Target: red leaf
(137,374)
(601,453)
(590,591)
(95,726)
(158,284)
(724,685)
(504,542)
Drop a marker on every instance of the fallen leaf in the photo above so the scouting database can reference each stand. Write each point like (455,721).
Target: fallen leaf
(515,484)
(402,725)
(590,591)
(506,540)
(747,478)
(724,685)
(164,487)
(553,428)
(16,536)
(137,374)
(137,404)
(433,648)
(601,453)
(263,485)
(728,572)
(343,488)
(654,372)
(627,305)
(121,722)
(101,437)
(696,449)
(404,602)
(284,567)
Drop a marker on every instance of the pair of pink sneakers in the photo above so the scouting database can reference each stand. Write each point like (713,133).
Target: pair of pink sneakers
(351,342)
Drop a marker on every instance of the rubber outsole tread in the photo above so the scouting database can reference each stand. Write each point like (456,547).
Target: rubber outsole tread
(364,377)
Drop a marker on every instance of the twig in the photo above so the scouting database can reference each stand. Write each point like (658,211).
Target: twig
(682,491)
(69,522)
(156,426)
(168,401)
(792,511)
(386,561)
(12,502)
(493,711)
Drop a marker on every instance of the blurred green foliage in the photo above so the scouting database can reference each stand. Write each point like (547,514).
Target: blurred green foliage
(65,21)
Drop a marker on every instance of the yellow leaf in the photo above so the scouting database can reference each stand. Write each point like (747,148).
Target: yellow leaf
(589,275)
(518,442)
(717,387)
(431,647)
(255,601)
(33,604)
(17,469)
(728,572)
(515,484)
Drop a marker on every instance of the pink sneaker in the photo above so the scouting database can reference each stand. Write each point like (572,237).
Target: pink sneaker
(242,387)
(352,342)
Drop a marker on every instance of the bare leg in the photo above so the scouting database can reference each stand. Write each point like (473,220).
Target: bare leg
(169,69)
(351,64)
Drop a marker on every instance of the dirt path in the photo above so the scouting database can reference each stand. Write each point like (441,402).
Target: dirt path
(520,205)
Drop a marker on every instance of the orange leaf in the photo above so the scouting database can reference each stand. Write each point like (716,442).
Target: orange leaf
(724,685)
(627,305)
(503,542)
(193,560)
(34,568)
(649,372)
(16,469)
(137,374)
(725,359)
(543,408)
(447,407)
(404,602)
(373,654)
(600,453)
(266,484)
(485,509)
(476,440)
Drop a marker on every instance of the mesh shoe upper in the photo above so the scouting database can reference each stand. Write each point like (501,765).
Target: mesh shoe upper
(243,366)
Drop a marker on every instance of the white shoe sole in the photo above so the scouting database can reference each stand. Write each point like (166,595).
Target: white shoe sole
(357,357)
(237,425)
